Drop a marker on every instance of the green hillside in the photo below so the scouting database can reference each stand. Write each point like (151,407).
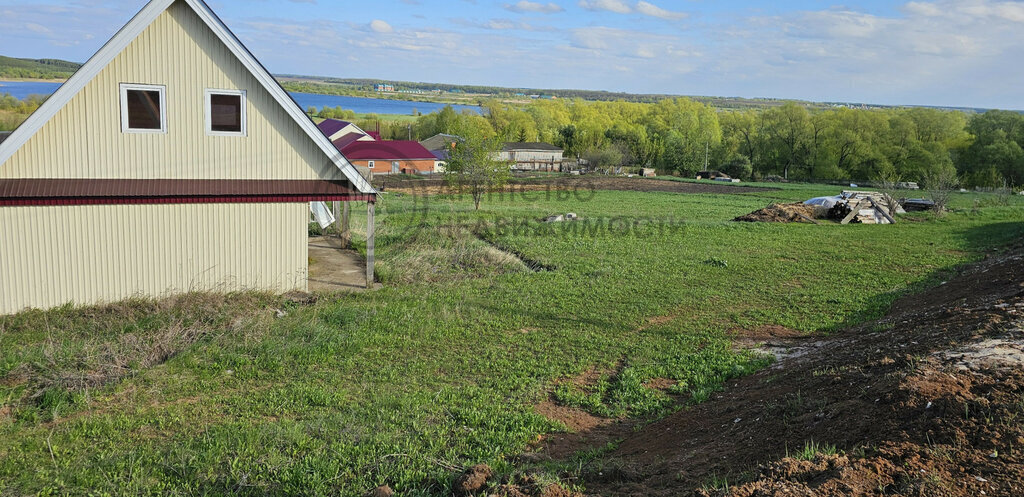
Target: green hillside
(36,68)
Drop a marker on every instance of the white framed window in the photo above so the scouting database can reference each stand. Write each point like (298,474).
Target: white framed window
(369,164)
(225,112)
(143,108)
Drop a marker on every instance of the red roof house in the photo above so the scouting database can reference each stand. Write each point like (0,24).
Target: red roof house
(390,157)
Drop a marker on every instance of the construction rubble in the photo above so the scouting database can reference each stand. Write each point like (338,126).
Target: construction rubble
(851,206)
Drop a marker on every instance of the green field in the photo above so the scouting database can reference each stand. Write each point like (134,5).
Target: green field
(439,370)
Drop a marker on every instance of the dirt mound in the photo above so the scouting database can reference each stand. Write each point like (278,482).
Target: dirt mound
(926,401)
(783,213)
(527,486)
(381,491)
(473,479)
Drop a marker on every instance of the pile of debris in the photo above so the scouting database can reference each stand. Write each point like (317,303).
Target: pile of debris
(862,207)
(848,207)
(785,213)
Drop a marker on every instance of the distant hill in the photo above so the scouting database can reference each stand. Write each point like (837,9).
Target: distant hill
(475,93)
(11,67)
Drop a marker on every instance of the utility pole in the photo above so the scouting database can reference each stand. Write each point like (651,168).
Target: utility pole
(707,147)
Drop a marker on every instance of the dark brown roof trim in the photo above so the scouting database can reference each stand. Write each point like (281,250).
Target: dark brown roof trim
(152,191)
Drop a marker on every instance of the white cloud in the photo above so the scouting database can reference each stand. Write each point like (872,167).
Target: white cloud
(38,28)
(617,6)
(641,7)
(923,9)
(379,26)
(629,44)
(528,6)
(652,10)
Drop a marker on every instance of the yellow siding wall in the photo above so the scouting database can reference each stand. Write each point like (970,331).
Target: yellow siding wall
(84,139)
(50,256)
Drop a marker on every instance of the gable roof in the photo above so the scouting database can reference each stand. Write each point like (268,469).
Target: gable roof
(387,150)
(343,141)
(510,146)
(332,126)
(440,141)
(127,34)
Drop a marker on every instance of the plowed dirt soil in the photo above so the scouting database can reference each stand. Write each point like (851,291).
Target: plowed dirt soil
(579,185)
(928,401)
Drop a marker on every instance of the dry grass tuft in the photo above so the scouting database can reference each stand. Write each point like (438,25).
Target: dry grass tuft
(76,349)
(442,253)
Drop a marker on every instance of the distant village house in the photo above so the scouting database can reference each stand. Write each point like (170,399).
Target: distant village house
(366,149)
(532,156)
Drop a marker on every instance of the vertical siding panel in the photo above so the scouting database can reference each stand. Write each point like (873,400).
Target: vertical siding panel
(8,257)
(123,251)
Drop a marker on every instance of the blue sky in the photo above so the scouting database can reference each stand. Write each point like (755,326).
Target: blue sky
(928,52)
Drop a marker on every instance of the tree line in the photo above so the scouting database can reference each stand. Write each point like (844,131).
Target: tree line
(684,136)
(790,141)
(14,111)
(36,68)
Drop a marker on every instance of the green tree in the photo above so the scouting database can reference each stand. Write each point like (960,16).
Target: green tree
(474,164)
(604,159)
(684,131)
(569,140)
(738,167)
(788,130)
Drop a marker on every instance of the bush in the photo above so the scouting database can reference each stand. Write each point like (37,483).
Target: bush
(603,158)
(738,167)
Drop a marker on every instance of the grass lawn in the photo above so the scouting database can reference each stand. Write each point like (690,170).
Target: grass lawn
(440,368)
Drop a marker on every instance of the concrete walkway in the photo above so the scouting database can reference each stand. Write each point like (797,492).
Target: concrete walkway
(334,269)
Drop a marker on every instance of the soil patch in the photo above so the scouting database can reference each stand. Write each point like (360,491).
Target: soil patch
(580,185)
(662,384)
(586,431)
(472,480)
(926,401)
(577,420)
(783,213)
(777,341)
(767,332)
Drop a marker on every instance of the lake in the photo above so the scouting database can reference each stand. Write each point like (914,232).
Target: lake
(361,105)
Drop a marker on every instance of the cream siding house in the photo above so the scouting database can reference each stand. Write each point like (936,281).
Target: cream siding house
(532,156)
(170,162)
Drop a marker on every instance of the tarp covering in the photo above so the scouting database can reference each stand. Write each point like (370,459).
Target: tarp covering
(827,202)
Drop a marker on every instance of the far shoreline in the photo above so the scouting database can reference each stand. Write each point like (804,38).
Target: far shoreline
(409,98)
(30,80)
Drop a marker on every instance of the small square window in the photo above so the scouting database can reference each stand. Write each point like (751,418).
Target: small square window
(225,112)
(143,109)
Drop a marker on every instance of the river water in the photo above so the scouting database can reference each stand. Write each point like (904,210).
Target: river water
(361,105)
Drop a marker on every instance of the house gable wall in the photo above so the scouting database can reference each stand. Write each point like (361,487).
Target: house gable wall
(179,51)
